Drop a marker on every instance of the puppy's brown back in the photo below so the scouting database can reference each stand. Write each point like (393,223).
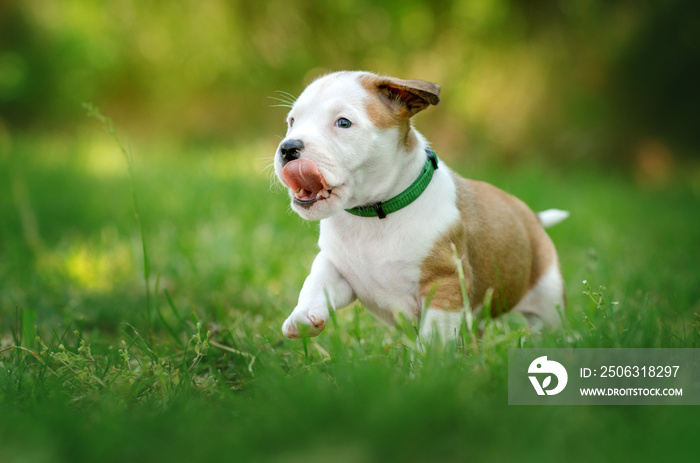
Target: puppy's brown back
(502,246)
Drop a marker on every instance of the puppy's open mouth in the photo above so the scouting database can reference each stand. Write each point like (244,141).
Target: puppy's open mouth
(306,182)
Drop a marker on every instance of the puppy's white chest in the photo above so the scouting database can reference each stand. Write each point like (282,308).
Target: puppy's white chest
(382,268)
(381,259)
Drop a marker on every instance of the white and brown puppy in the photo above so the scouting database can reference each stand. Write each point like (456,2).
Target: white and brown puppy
(390,211)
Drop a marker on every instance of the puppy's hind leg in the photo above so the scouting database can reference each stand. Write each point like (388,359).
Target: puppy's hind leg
(444,292)
(440,325)
(544,304)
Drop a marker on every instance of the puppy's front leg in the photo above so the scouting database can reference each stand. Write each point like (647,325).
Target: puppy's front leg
(323,287)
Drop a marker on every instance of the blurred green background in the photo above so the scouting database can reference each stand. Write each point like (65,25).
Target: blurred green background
(577,80)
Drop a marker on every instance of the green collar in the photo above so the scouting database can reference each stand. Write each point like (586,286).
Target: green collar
(382,208)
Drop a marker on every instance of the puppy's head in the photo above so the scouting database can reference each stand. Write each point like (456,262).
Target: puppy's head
(347,135)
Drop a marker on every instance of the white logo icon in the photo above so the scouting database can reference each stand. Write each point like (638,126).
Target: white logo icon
(542,365)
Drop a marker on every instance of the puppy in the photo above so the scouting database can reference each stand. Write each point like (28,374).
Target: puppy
(391,212)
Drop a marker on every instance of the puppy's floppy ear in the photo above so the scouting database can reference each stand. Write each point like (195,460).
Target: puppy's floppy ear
(406,97)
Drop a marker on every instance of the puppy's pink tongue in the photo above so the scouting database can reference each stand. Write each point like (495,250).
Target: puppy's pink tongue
(303,177)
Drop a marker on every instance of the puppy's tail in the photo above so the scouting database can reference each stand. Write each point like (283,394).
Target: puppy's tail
(551,217)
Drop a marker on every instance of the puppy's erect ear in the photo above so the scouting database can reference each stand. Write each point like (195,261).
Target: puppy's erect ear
(406,97)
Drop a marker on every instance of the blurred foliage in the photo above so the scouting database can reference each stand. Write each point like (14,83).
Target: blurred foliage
(574,79)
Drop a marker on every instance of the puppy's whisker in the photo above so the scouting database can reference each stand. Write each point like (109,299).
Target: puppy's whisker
(286,102)
(288,96)
(283,100)
(269,170)
(283,104)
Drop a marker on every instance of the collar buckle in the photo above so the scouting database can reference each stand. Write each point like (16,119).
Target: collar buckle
(378,209)
(432,157)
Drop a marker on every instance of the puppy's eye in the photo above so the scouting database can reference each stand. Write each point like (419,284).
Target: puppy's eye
(343,123)
(291,122)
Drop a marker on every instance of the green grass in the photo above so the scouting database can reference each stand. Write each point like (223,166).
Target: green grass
(92,369)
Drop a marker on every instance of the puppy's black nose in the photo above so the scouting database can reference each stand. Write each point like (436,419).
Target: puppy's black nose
(290,149)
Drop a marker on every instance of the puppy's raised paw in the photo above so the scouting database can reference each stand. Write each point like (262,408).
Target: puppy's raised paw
(308,325)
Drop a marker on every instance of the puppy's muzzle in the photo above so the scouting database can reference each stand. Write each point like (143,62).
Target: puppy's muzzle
(290,150)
